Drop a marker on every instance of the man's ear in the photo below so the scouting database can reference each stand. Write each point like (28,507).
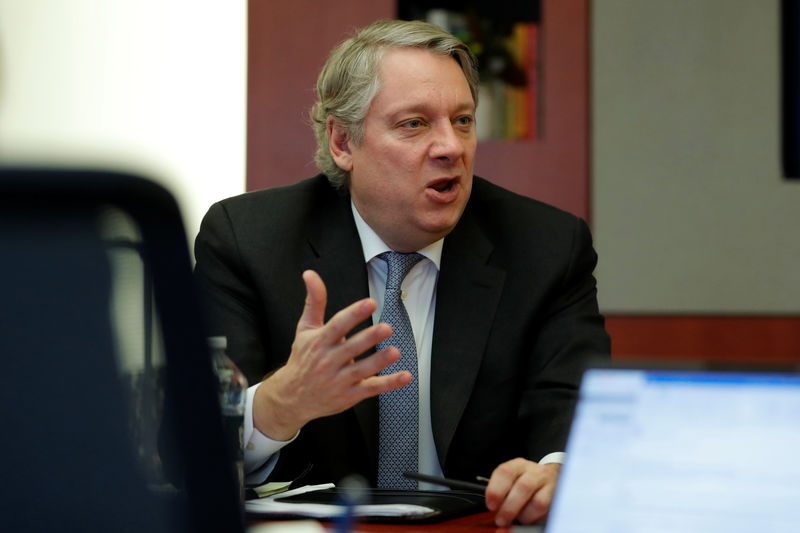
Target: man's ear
(339,145)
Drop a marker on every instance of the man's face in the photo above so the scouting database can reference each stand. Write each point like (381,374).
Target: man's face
(411,176)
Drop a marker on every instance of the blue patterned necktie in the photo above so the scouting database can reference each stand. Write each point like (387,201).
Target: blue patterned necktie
(399,422)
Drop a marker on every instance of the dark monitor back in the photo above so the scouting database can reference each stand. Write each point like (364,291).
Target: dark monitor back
(790,88)
(88,364)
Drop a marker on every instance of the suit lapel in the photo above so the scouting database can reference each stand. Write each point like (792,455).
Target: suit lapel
(336,254)
(467,296)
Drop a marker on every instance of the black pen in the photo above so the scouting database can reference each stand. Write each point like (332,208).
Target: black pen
(445,482)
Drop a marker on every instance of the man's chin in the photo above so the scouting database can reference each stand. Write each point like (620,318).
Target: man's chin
(424,235)
(444,220)
(439,229)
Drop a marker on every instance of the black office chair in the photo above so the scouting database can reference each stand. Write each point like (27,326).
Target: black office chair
(67,458)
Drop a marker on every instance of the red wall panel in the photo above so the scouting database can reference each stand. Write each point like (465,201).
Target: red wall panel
(722,339)
(288,43)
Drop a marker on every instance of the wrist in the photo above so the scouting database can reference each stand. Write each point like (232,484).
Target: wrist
(273,416)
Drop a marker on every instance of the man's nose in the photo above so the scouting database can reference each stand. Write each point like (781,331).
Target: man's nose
(447,143)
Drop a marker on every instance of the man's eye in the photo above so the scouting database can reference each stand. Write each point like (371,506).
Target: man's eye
(465,120)
(413,123)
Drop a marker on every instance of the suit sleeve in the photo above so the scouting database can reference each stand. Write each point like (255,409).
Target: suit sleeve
(571,337)
(230,300)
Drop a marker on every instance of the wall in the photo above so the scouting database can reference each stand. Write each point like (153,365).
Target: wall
(146,86)
(151,86)
(691,214)
(288,45)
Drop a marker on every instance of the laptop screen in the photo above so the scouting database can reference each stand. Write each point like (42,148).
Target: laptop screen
(656,450)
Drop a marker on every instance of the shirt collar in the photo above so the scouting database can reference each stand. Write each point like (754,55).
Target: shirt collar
(372,245)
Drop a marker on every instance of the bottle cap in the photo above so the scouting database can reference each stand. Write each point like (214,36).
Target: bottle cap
(218,343)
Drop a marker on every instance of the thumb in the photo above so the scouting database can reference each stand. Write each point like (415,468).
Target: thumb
(316,298)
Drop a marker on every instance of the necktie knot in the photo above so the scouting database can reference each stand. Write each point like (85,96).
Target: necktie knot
(399,265)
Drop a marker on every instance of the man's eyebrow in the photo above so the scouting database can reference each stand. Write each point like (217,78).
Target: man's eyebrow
(466,106)
(424,107)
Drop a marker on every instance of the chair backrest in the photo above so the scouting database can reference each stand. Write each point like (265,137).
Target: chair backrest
(68,459)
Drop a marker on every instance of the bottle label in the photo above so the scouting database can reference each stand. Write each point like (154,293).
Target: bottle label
(234,431)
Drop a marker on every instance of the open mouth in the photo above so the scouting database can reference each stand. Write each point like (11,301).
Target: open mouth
(444,185)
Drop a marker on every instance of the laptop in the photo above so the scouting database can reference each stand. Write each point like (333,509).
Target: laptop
(682,451)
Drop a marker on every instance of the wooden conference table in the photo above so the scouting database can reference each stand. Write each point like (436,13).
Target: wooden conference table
(481,522)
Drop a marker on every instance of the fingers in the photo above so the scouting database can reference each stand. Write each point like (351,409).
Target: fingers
(526,502)
(502,480)
(358,343)
(345,320)
(362,379)
(363,374)
(522,490)
(341,323)
(316,298)
(538,506)
(376,385)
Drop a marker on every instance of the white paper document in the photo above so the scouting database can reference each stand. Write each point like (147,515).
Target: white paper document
(273,506)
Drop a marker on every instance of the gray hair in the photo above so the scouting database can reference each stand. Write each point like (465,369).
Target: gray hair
(349,79)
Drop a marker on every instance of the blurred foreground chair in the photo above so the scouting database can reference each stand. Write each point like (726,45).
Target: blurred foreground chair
(68,460)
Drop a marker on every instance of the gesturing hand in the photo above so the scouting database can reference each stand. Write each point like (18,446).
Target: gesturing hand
(521,490)
(321,377)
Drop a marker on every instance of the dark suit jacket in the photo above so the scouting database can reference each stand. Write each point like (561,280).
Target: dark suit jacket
(516,319)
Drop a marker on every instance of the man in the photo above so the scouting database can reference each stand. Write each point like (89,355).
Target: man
(502,301)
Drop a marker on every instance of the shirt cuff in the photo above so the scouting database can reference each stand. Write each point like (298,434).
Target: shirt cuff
(555,457)
(260,451)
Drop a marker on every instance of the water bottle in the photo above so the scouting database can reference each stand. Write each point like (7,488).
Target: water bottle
(232,394)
